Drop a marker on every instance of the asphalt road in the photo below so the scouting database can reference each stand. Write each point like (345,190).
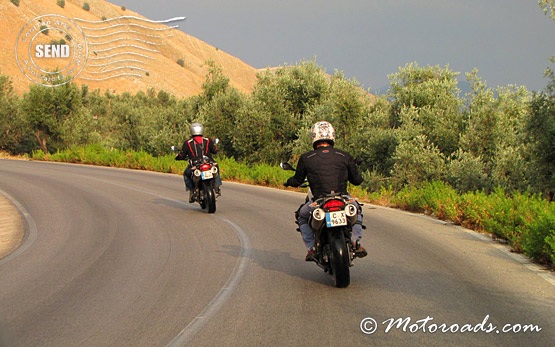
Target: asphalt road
(117,257)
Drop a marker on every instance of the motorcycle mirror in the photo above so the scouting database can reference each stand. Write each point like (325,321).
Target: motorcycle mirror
(286,166)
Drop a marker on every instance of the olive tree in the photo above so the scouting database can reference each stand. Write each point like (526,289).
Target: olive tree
(47,108)
(285,97)
(434,94)
(14,136)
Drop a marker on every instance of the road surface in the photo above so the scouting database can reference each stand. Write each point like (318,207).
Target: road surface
(115,257)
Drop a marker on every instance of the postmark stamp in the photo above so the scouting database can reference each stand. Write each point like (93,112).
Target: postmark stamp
(51,50)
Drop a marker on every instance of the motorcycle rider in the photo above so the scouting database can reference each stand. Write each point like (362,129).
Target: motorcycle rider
(328,170)
(193,149)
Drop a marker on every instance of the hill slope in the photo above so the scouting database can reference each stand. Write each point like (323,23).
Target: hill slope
(126,51)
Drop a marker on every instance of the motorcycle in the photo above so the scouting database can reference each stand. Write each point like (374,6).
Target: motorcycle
(332,222)
(204,171)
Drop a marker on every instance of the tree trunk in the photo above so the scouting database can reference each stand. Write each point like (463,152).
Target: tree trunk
(42,141)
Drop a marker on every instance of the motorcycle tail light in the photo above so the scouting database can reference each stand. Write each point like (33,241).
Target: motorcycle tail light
(205,167)
(334,205)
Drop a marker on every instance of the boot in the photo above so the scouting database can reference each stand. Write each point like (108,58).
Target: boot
(310,255)
(360,252)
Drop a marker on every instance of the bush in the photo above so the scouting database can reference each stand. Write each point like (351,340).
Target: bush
(466,172)
(15,2)
(61,3)
(538,238)
(475,208)
(525,221)
(44,29)
(435,198)
(180,62)
(417,161)
(86,6)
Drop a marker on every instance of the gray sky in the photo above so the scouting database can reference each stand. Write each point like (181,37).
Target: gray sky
(508,41)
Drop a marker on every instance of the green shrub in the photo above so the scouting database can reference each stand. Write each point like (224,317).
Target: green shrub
(550,242)
(536,226)
(61,3)
(435,198)
(475,210)
(86,6)
(44,29)
(501,221)
(538,239)
(15,2)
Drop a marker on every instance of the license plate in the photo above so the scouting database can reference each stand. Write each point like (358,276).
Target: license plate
(206,175)
(336,219)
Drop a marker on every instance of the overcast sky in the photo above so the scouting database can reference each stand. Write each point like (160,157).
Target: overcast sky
(508,41)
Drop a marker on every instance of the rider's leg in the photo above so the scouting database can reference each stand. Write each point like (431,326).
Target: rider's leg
(306,231)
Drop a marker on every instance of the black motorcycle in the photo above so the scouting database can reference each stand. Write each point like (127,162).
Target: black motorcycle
(203,174)
(332,222)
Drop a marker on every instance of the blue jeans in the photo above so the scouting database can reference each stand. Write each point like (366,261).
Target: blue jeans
(308,234)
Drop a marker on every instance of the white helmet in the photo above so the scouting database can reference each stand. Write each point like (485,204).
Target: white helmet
(197,129)
(322,131)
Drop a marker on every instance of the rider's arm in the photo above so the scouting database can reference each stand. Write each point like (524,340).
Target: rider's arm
(354,175)
(300,174)
(184,152)
(212,147)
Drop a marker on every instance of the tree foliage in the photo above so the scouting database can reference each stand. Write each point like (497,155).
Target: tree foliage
(548,7)
(46,109)
(423,129)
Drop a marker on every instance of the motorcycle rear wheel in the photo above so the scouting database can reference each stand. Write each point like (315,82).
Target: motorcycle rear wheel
(340,260)
(209,197)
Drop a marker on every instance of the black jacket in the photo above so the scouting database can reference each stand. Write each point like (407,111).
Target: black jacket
(327,169)
(193,151)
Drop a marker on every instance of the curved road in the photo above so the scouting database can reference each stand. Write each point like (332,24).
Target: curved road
(116,257)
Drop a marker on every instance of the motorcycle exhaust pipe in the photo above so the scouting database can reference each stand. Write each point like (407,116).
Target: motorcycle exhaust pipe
(318,218)
(351,211)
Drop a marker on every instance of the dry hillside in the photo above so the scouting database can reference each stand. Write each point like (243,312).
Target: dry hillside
(126,51)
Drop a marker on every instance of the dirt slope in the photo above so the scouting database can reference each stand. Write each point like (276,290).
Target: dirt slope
(126,51)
